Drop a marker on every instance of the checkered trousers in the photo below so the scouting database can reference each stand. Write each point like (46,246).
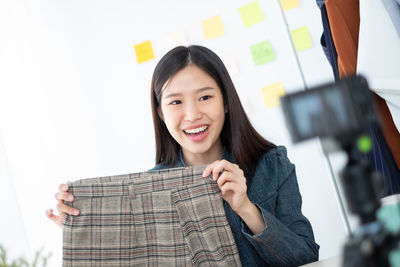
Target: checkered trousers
(172,217)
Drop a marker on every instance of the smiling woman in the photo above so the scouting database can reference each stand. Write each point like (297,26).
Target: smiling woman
(199,120)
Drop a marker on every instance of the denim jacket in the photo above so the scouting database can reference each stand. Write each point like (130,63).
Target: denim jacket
(287,239)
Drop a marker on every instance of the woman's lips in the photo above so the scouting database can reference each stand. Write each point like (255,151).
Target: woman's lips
(197,137)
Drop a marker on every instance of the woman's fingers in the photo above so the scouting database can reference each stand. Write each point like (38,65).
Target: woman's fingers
(225,177)
(216,168)
(61,196)
(50,214)
(208,170)
(228,187)
(62,208)
(64,196)
(63,187)
(219,169)
(55,218)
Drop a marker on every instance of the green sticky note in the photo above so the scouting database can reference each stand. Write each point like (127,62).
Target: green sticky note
(262,53)
(301,39)
(251,14)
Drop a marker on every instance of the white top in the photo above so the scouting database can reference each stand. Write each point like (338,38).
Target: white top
(379,52)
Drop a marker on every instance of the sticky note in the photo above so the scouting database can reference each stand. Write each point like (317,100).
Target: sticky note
(251,14)
(272,93)
(176,38)
(301,39)
(144,52)
(289,4)
(262,53)
(212,27)
(230,63)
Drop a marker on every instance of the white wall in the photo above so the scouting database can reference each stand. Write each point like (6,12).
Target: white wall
(74,103)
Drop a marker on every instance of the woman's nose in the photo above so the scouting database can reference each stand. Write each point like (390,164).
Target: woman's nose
(192,112)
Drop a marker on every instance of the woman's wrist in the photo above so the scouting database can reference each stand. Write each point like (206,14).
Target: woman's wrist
(246,209)
(252,217)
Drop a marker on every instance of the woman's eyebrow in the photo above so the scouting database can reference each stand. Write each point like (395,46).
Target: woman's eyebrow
(171,95)
(205,89)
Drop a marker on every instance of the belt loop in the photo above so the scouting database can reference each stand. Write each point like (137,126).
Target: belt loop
(131,190)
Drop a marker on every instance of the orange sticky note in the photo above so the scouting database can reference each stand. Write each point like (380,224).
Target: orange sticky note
(212,27)
(289,4)
(144,52)
(272,93)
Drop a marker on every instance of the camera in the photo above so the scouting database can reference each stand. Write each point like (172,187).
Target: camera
(338,110)
(341,113)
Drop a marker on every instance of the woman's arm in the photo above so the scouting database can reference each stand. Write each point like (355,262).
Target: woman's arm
(287,239)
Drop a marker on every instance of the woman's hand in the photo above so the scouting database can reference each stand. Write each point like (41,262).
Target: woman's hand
(230,179)
(61,196)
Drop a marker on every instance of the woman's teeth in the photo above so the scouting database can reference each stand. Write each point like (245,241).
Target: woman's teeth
(197,130)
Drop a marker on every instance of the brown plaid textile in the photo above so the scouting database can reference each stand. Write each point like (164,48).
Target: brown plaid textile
(172,217)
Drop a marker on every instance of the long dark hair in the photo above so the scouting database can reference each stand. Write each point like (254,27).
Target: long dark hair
(238,136)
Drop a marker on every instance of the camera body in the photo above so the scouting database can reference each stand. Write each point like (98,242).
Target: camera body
(340,110)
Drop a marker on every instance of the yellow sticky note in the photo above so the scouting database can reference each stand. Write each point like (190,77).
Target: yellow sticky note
(301,38)
(144,51)
(251,14)
(289,4)
(212,27)
(272,93)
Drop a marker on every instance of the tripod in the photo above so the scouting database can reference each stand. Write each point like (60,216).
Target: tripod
(371,244)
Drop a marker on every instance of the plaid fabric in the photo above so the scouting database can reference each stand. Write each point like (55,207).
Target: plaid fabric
(172,217)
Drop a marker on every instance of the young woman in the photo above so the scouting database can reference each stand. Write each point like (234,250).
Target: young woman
(199,120)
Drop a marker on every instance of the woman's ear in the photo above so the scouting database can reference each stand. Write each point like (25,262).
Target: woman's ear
(226,109)
(160,114)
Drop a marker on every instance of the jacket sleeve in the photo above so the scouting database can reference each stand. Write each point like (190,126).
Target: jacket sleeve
(287,239)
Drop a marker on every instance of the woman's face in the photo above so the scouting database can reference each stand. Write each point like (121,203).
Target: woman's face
(192,108)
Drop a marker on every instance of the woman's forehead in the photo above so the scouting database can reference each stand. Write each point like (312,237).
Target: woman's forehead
(190,79)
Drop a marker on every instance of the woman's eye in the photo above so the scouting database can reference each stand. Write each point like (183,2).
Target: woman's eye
(175,102)
(204,97)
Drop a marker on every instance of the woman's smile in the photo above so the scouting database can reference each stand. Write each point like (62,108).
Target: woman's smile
(197,134)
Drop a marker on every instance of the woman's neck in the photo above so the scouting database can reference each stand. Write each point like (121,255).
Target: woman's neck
(198,159)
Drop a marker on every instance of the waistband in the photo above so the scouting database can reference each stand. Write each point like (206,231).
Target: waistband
(139,183)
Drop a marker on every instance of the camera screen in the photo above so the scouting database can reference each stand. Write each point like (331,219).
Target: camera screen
(318,112)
